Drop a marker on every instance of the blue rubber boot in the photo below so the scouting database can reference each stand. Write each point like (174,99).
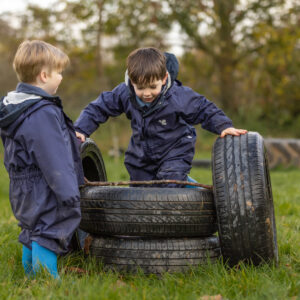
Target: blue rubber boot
(45,258)
(190,179)
(27,261)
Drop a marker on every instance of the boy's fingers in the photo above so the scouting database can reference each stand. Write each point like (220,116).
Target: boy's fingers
(238,132)
(223,134)
(242,131)
(233,131)
(80,136)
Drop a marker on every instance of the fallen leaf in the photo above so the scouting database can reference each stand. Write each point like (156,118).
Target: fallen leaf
(87,243)
(75,270)
(215,297)
(118,284)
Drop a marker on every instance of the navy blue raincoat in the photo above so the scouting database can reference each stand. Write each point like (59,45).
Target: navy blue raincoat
(44,166)
(163,138)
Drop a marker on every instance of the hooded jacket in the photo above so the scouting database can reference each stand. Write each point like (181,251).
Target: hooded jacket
(161,132)
(42,159)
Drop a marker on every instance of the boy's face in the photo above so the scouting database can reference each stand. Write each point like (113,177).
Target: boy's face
(149,92)
(52,82)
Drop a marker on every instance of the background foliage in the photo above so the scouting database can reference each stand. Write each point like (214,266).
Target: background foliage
(243,55)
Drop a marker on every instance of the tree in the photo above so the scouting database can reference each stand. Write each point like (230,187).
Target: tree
(277,69)
(223,30)
(8,46)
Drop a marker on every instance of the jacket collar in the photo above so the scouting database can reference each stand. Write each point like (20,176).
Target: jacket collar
(15,103)
(31,89)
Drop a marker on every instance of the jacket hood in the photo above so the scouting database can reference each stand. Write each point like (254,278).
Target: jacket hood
(172,70)
(172,65)
(16,102)
(18,98)
(12,106)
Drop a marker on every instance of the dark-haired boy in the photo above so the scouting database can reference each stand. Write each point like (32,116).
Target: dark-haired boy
(162,113)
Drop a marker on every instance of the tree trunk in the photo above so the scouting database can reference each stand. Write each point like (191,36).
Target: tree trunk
(227,85)
(226,58)
(99,63)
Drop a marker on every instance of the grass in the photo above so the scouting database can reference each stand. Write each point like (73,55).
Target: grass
(245,282)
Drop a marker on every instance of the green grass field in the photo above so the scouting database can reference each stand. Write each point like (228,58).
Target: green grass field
(245,282)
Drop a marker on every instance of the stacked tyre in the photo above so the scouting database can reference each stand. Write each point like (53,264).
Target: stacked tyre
(153,229)
(171,229)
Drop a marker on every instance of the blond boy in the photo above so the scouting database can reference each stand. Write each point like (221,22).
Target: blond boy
(41,157)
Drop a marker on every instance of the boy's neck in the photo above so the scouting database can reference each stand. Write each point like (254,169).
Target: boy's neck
(36,84)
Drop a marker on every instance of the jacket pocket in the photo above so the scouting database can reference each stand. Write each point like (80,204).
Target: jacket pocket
(23,198)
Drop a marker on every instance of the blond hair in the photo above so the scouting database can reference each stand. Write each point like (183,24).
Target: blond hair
(32,56)
(145,65)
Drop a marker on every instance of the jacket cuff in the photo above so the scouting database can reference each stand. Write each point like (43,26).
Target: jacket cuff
(81,131)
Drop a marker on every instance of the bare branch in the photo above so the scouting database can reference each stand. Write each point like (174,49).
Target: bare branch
(151,182)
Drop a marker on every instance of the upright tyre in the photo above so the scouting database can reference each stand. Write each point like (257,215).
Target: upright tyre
(92,161)
(94,170)
(125,254)
(243,199)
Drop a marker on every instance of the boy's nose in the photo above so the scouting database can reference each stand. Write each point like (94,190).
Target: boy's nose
(147,93)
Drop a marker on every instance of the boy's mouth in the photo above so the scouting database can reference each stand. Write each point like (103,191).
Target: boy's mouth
(148,99)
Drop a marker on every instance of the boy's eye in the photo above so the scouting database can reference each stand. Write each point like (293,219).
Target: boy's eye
(143,87)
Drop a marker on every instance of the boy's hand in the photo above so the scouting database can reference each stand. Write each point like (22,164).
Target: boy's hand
(232,131)
(80,136)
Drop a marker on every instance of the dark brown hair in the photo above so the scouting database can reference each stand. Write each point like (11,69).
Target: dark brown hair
(33,56)
(146,65)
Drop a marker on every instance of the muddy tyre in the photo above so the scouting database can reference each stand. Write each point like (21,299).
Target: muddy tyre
(243,199)
(156,212)
(125,254)
(283,152)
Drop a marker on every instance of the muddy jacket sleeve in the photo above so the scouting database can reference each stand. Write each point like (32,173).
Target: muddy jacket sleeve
(48,141)
(108,104)
(197,109)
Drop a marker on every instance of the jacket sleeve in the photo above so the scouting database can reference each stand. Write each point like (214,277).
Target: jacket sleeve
(46,142)
(196,109)
(108,104)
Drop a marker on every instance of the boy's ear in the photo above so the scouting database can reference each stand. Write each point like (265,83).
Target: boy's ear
(43,76)
(165,78)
